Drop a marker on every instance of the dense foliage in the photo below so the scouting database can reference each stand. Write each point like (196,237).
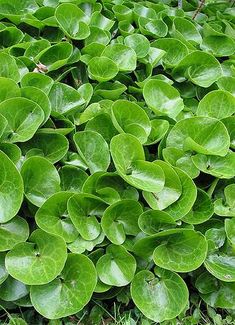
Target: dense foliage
(117,157)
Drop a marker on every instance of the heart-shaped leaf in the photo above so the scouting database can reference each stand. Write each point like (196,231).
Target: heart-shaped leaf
(102,68)
(52,146)
(41,180)
(170,193)
(153,221)
(159,291)
(130,118)
(121,219)
(13,232)
(11,190)
(165,247)
(93,150)
(72,21)
(24,118)
(70,292)
(38,261)
(128,157)
(205,135)
(84,210)
(53,218)
(12,289)
(162,98)
(218,103)
(117,267)
(122,55)
(199,67)
(222,167)
(221,266)
(202,209)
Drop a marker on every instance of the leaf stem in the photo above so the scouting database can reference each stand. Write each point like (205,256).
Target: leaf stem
(212,187)
(199,8)
(180,4)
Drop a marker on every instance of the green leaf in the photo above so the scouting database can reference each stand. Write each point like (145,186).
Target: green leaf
(206,283)
(84,210)
(230,230)
(219,294)
(179,250)
(17,321)
(41,180)
(110,187)
(187,29)
(218,103)
(38,261)
(19,7)
(3,271)
(222,167)
(12,151)
(153,221)
(152,27)
(128,157)
(221,266)
(170,193)
(205,135)
(227,83)
(8,89)
(223,297)
(12,290)
(215,237)
(162,98)
(139,43)
(103,125)
(64,99)
(122,55)
(122,12)
(201,211)
(52,146)
(72,179)
(117,267)
(174,48)
(93,150)
(39,97)
(9,67)
(73,21)
(183,205)
(69,293)
(80,245)
(56,56)
(100,21)
(102,69)
(97,40)
(229,123)
(159,129)
(36,47)
(130,118)
(110,90)
(121,219)
(183,160)
(24,118)
(200,68)
(219,45)
(166,294)
(37,80)
(13,232)
(53,218)
(11,190)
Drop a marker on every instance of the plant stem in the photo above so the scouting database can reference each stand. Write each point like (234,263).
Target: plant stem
(199,8)
(212,187)
(180,4)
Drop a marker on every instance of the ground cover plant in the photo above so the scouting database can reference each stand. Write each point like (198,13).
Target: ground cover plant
(117,163)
